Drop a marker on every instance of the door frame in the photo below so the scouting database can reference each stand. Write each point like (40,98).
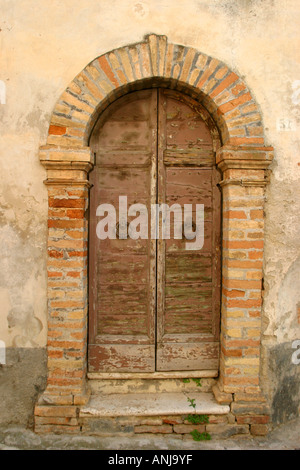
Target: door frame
(244,160)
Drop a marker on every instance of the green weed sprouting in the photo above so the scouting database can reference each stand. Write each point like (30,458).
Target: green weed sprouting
(198,419)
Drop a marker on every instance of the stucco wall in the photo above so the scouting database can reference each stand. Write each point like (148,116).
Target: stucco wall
(44,45)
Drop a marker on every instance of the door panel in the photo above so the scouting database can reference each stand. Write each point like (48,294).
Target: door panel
(186,334)
(154,305)
(187,356)
(122,334)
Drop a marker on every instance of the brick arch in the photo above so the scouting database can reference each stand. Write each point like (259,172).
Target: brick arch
(221,91)
(243,159)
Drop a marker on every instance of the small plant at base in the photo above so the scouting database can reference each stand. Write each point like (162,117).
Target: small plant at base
(197,419)
(198,382)
(192,402)
(200,436)
(186,381)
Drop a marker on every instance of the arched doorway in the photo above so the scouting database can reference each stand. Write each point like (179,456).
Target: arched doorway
(243,158)
(154,297)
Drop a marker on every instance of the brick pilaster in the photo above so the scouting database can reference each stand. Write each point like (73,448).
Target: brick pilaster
(68,193)
(243,186)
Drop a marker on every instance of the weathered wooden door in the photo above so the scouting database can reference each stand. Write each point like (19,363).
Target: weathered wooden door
(154,302)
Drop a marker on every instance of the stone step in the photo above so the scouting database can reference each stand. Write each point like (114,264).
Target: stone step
(152,404)
(143,384)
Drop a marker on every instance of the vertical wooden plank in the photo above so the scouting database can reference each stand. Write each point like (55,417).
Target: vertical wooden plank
(161,198)
(92,258)
(153,198)
(123,296)
(216,254)
(187,302)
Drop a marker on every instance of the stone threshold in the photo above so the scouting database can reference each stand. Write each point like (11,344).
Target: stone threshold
(152,404)
(213,373)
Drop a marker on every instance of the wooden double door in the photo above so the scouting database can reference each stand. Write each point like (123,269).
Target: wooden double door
(154,302)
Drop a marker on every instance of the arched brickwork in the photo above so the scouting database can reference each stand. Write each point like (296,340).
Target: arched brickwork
(243,159)
(210,81)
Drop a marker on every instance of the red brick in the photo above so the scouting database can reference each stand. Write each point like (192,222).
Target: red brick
(67,304)
(77,192)
(55,254)
(55,411)
(107,70)
(44,420)
(264,419)
(241,381)
(233,293)
(76,234)
(255,235)
(251,352)
(74,273)
(66,324)
(243,303)
(255,314)
(234,244)
(232,352)
(69,203)
(55,354)
(255,255)
(57,130)
(233,263)
(257,214)
(67,224)
(67,373)
(75,354)
(240,343)
(77,253)
(230,105)
(65,344)
(245,140)
(56,212)
(224,84)
(235,215)
(54,274)
(241,284)
(207,73)
(75,213)
(173,420)
(238,88)
(64,382)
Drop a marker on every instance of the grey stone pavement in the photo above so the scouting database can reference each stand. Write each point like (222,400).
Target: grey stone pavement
(283,437)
